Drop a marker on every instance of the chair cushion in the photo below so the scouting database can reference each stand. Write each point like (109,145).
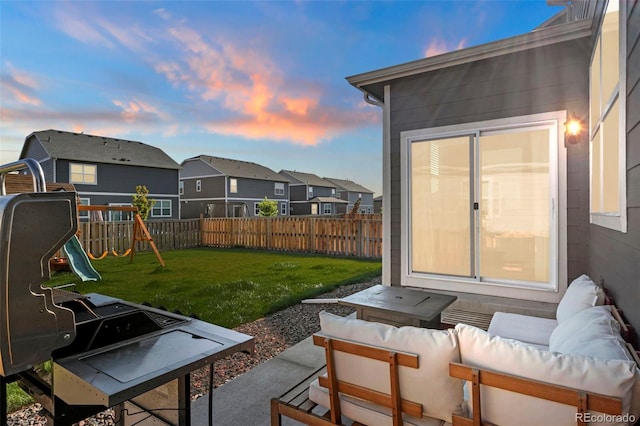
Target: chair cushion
(528,329)
(429,385)
(582,293)
(608,377)
(591,332)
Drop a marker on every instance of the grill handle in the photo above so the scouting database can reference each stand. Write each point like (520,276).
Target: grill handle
(37,175)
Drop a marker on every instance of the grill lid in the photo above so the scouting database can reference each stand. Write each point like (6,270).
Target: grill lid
(32,228)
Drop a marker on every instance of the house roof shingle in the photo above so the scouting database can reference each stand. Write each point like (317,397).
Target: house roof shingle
(241,169)
(348,185)
(100,149)
(308,178)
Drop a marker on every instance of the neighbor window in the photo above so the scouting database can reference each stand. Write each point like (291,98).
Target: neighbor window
(481,206)
(314,208)
(279,188)
(608,124)
(83,173)
(283,209)
(118,215)
(84,215)
(161,208)
(326,208)
(181,187)
(233,185)
(311,192)
(256,209)
(198,185)
(333,192)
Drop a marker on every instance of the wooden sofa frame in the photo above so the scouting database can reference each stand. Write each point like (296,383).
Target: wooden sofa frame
(296,404)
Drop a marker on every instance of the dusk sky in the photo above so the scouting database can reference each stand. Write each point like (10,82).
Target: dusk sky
(260,81)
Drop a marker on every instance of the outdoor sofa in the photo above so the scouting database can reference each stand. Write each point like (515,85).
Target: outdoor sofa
(576,369)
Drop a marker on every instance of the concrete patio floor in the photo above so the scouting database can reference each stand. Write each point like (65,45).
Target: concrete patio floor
(245,401)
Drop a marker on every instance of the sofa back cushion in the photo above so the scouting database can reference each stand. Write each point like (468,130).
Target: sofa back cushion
(608,377)
(429,384)
(582,293)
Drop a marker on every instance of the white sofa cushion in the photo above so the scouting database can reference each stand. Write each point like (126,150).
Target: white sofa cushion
(590,332)
(429,385)
(524,328)
(608,377)
(582,293)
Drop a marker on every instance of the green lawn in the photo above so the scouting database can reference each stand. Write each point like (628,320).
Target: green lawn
(227,287)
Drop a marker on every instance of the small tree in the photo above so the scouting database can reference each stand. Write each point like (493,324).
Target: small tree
(267,208)
(142,202)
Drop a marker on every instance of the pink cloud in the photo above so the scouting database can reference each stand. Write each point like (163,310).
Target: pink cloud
(135,110)
(19,87)
(438,46)
(245,81)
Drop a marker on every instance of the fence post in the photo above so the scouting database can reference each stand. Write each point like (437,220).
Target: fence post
(201,223)
(359,238)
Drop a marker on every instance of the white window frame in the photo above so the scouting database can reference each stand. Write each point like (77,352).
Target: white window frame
(113,214)
(256,209)
(325,210)
(310,192)
(158,206)
(198,185)
(84,214)
(558,191)
(283,209)
(612,220)
(181,187)
(84,174)
(233,185)
(278,188)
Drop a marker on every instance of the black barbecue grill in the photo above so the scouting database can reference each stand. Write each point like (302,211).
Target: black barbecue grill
(106,352)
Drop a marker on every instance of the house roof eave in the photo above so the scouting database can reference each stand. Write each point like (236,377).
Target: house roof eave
(534,39)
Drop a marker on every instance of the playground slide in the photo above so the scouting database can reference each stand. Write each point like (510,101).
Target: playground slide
(79,262)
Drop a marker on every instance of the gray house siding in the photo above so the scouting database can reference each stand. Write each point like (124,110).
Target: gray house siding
(543,79)
(196,168)
(298,192)
(37,152)
(613,256)
(196,203)
(322,191)
(257,189)
(117,183)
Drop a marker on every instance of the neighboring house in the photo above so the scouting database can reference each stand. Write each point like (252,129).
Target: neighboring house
(222,187)
(106,171)
(485,193)
(352,192)
(310,194)
(377,204)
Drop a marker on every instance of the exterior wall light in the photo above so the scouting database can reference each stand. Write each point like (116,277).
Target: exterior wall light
(573,127)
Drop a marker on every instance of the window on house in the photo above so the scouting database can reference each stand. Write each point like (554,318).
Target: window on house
(117,216)
(84,215)
(83,173)
(481,207)
(333,192)
(283,209)
(608,122)
(314,208)
(326,208)
(198,185)
(181,187)
(279,188)
(256,209)
(233,185)
(161,208)
(311,192)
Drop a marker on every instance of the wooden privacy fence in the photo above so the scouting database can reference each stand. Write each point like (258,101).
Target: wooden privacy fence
(345,237)
(332,236)
(98,237)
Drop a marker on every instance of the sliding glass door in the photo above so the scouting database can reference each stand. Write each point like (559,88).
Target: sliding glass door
(481,205)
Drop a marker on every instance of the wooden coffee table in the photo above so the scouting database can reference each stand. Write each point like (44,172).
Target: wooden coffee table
(399,306)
